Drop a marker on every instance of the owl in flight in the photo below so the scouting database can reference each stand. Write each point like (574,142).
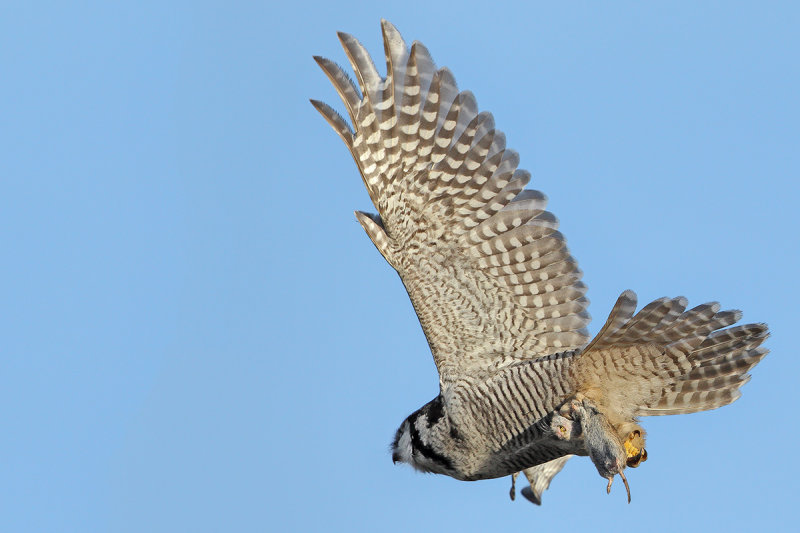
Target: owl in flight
(499,297)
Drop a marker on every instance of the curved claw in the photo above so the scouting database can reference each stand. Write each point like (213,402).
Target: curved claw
(634,448)
(637,459)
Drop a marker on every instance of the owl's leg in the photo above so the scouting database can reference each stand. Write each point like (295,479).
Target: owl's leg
(602,442)
(513,492)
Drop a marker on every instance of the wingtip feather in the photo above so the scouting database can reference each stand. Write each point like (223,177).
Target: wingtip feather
(336,121)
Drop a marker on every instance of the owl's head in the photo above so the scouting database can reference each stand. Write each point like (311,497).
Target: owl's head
(425,441)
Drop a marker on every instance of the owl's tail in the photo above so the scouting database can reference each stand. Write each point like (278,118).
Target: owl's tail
(666,360)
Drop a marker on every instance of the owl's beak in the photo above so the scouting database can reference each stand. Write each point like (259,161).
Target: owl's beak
(395,457)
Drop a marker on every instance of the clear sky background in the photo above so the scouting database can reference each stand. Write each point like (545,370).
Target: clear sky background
(196,335)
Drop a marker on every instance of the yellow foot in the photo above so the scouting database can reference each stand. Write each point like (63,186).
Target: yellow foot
(634,449)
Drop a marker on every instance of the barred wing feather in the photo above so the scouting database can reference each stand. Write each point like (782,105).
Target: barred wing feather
(488,273)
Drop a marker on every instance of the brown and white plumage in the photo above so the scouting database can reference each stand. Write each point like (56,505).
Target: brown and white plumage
(498,294)
(453,221)
(540,476)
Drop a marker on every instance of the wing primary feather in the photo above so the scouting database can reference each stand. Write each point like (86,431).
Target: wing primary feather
(336,121)
(366,74)
(452,206)
(343,84)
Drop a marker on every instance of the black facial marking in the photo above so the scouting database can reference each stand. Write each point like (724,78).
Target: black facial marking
(435,411)
(427,451)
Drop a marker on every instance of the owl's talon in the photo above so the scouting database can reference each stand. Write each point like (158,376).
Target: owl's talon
(637,459)
(634,449)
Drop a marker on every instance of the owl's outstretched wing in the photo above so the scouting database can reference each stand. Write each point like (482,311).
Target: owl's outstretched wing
(488,273)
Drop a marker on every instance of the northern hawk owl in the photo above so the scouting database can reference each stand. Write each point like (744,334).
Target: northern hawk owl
(499,297)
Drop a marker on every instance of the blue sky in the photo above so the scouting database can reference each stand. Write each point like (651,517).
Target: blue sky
(197,335)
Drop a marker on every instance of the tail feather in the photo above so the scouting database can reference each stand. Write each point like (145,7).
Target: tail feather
(676,309)
(649,317)
(620,314)
(690,324)
(664,360)
(692,403)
